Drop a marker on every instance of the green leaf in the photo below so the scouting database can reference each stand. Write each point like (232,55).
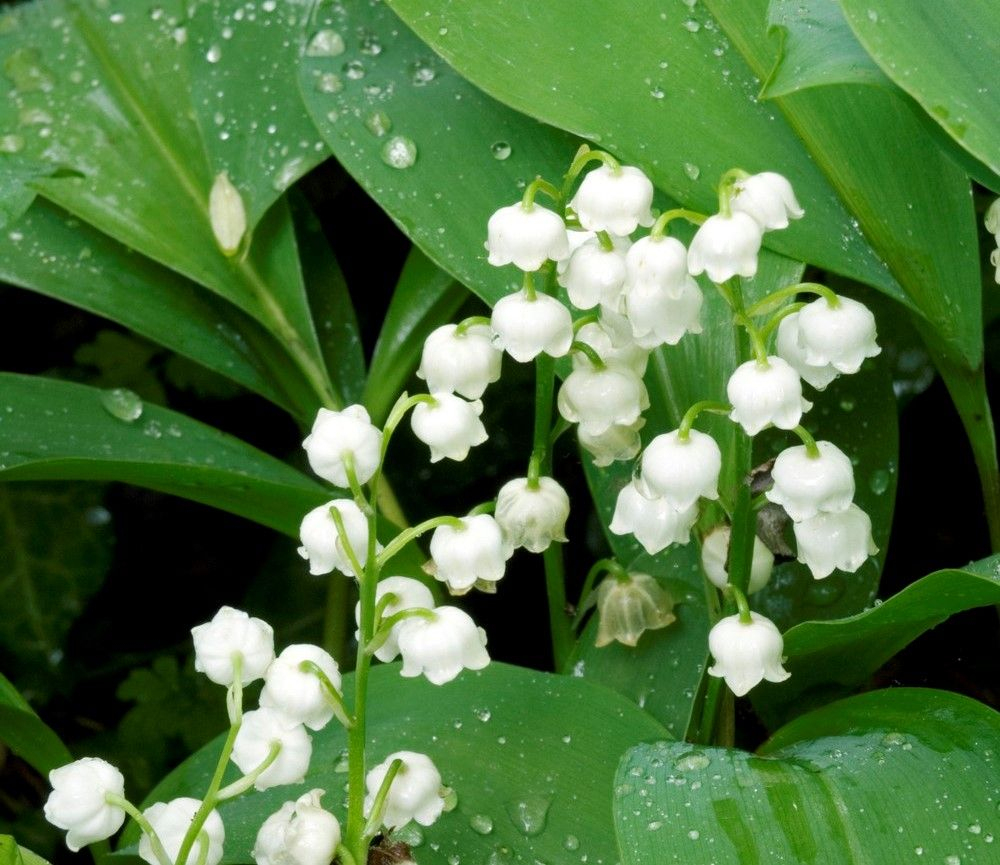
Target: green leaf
(55,546)
(892,776)
(944,54)
(530,755)
(57,430)
(472,153)
(26,734)
(816,650)
(425,298)
(54,254)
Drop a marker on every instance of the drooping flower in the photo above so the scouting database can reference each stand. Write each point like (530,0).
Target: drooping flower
(660,319)
(449,425)
(766,393)
(746,652)
(339,434)
(462,362)
(475,553)
(841,335)
(768,198)
(408,594)
(322,546)
(526,236)
(725,246)
(299,693)
(230,633)
(628,607)
(614,444)
(414,794)
(616,200)
(654,522)
(614,348)
(787,343)
(840,541)
(298,833)
(805,485)
(526,327)
(657,264)
(263,729)
(598,399)
(171,821)
(715,560)
(439,647)
(594,275)
(77,802)
(680,471)
(532,516)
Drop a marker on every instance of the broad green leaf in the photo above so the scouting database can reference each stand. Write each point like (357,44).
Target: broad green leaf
(103,89)
(816,650)
(54,430)
(55,549)
(892,776)
(944,54)
(425,298)
(530,755)
(244,88)
(473,155)
(25,733)
(54,254)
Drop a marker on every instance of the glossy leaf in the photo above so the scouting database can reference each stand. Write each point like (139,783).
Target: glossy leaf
(816,650)
(945,56)
(425,298)
(26,734)
(890,776)
(530,755)
(57,430)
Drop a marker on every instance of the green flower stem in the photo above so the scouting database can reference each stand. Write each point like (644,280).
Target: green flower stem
(584,156)
(772,323)
(241,785)
(604,239)
(756,340)
(767,302)
(332,694)
(558,428)
(583,321)
(740,600)
(143,823)
(378,805)
(534,472)
(726,183)
(660,226)
(591,355)
(483,508)
(345,541)
(344,856)
(555,587)
(530,293)
(411,534)
(472,321)
(714,406)
(539,185)
(807,439)
(203,847)
(352,482)
(601,566)
(385,627)
(334,621)
(386,601)
(396,415)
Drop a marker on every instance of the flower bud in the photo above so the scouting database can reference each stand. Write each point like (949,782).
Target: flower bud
(77,802)
(298,693)
(409,594)
(231,633)
(766,393)
(654,522)
(788,345)
(746,652)
(415,792)
(768,198)
(260,730)
(616,200)
(441,646)
(532,517)
(338,434)
(322,546)
(715,560)
(598,399)
(628,607)
(526,237)
(525,328)
(680,471)
(725,246)
(474,553)
(594,275)
(842,335)
(298,833)
(460,362)
(449,426)
(805,485)
(226,214)
(614,444)
(171,821)
(828,542)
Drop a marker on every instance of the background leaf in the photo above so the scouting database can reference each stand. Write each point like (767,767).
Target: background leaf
(883,777)
(26,734)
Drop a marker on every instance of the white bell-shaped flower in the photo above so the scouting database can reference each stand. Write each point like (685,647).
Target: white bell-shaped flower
(526,236)
(594,275)
(441,646)
(231,633)
(260,731)
(746,652)
(576,239)
(449,426)
(298,833)
(171,821)
(611,347)
(654,522)
(462,362)
(715,560)
(77,802)
(658,263)
(616,200)
(766,393)
(805,485)
(598,399)
(789,348)
(725,246)
(614,444)
(475,553)
(321,543)
(768,198)
(680,471)
(840,541)
(525,327)
(626,608)
(842,335)
(532,516)
(660,319)
(407,594)
(991,219)
(414,794)
(338,434)
(297,692)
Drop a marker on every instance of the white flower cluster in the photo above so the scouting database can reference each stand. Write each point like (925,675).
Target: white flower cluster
(992,222)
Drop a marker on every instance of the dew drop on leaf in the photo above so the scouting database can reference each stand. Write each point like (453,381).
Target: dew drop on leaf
(378,123)
(325,43)
(692,170)
(399,152)
(329,82)
(529,814)
(122,403)
(500,150)
(481,823)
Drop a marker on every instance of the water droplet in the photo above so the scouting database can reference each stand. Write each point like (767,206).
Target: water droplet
(848,403)
(692,170)
(329,82)
(354,69)
(371,45)
(873,16)
(694,834)
(953,860)
(325,43)
(571,842)
(693,762)
(529,814)
(450,798)
(893,739)
(691,25)
(100,516)
(122,403)
(454,859)
(214,54)
(975,828)
(153,430)
(116,18)
(422,73)
(657,93)
(34,117)
(653,825)
(482,714)
(333,115)
(399,152)
(290,171)
(500,150)
(26,71)
(378,123)
(11,144)
(879,481)
(481,823)
(180,35)
(410,834)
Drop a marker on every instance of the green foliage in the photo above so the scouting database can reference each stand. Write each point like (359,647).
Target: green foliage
(26,734)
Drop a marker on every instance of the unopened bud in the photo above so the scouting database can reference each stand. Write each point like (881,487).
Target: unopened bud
(227,214)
